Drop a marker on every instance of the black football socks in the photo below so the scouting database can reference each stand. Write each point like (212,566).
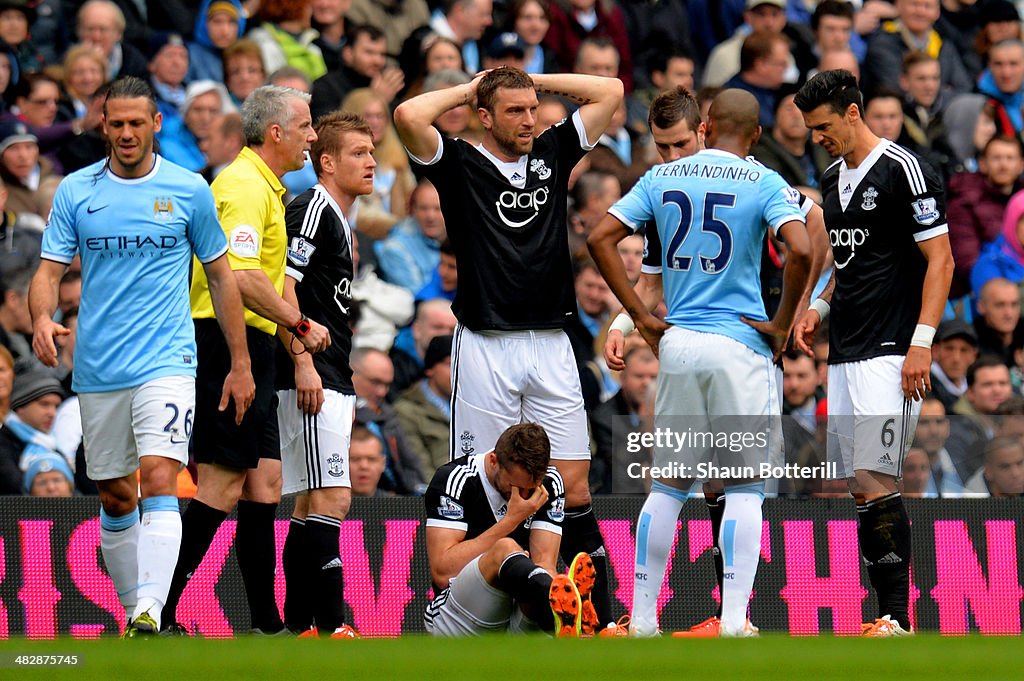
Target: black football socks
(716,509)
(254,547)
(298,613)
(199,524)
(529,585)
(327,593)
(883,531)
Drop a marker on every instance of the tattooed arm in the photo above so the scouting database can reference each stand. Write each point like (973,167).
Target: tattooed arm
(598,97)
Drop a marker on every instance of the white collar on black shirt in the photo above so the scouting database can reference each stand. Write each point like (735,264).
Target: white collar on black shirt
(513,171)
(851,177)
(341,216)
(509,169)
(498,504)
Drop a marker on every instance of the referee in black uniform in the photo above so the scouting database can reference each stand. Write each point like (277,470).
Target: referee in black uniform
(504,203)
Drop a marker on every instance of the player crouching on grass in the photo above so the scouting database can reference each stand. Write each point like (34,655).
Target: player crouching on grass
(494,524)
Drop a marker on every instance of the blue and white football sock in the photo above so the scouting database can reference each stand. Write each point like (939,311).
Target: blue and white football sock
(740,544)
(655,532)
(119,539)
(159,541)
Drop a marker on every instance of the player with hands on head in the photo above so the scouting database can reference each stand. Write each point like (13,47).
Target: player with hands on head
(505,208)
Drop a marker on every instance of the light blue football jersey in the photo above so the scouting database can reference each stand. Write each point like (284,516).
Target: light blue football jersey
(136,238)
(711,211)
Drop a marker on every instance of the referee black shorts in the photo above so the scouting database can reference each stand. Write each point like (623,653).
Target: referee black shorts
(215,436)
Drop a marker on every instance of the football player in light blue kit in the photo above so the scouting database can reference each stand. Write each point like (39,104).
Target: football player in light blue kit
(711,211)
(136,219)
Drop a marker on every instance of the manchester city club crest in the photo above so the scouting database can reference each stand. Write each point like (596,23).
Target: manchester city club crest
(163,208)
(870,194)
(467,445)
(336,465)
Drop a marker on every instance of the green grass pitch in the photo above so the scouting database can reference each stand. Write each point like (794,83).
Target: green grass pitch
(528,658)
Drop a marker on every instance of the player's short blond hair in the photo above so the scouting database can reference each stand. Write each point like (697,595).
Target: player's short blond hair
(330,132)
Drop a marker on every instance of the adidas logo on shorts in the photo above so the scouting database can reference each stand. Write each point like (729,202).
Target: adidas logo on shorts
(885,460)
(889,559)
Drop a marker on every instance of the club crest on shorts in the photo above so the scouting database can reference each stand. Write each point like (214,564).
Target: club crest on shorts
(537,166)
(869,199)
(467,439)
(450,510)
(336,466)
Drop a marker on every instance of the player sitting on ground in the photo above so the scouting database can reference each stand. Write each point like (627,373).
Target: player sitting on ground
(483,512)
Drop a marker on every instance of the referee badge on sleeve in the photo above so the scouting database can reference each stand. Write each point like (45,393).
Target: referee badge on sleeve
(244,241)
(300,251)
(925,211)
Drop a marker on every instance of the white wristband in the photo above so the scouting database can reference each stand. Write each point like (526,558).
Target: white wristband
(821,307)
(923,336)
(623,323)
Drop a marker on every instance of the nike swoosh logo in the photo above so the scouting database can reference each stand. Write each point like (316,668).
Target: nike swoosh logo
(90,210)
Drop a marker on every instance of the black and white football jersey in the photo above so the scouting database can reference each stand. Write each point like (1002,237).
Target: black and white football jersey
(876,215)
(460,497)
(320,260)
(507,225)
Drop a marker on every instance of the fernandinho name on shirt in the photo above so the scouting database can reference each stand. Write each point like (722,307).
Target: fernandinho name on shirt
(709,172)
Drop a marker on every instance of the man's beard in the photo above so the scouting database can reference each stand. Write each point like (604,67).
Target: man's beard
(510,144)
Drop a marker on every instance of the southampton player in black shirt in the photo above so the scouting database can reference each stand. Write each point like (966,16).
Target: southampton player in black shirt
(484,512)
(885,216)
(504,204)
(316,399)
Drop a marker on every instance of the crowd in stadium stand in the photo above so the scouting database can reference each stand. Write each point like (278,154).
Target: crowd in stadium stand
(945,80)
